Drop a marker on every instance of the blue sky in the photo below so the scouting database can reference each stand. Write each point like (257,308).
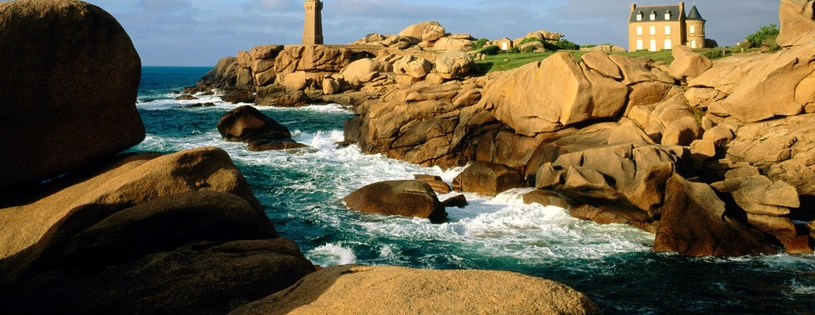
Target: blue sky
(199,32)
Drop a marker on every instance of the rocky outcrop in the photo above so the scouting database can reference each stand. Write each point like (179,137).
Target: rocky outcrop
(430,292)
(224,74)
(415,68)
(86,199)
(695,222)
(688,64)
(62,49)
(424,31)
(410,198)
(488,179)
(755,87)
(427,124)
(453,65)
(780,149)
(797,23)
(248,124)
(201,278)
(559,91)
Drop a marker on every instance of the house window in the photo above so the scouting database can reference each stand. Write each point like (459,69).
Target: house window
(668,44)
(639,30)
(639,16)
(653,16)
(639,45)
(668,16)
(653,45)
(653,30)
(692,43)
(667,30)
(504,46)
(693,28)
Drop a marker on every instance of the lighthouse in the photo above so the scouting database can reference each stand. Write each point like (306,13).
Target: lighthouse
(313,28)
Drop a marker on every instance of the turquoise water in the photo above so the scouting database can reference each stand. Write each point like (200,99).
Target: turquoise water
(613,264)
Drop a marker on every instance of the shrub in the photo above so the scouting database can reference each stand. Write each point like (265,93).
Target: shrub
(514,50)
(763,34)
(529,40)
(480,43)
(490,50)
(565,44)
(528,49)
(589,46)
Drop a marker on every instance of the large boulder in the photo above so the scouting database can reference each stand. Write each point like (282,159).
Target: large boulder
(398,290)
(759,195)
(163,224)
(488,179)
(39,225)
(224,74)
(628,173)
(262,133)
(695,222)
(363,71)
(415,67)
(756,87)
(555,93)
(410,198)
(417,31)
(279,96)
(317,58)
(201,278)
(54,51)
(452,65)
(451,44)
(245,122)
(688,64)
(797,23)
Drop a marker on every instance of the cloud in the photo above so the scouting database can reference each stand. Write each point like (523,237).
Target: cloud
(276,5)
(164,6)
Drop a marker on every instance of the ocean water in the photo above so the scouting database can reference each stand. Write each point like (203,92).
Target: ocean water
(613,264)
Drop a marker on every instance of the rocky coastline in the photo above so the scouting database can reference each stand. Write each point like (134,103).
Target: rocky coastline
(88,229)
(714,158)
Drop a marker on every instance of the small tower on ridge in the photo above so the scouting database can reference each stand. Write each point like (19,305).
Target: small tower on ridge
(696,29)
(313,28)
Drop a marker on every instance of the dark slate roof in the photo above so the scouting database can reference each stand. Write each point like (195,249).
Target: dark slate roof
(660,10)
(694,14)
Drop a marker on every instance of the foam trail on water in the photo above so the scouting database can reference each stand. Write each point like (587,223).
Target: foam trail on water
(332,255)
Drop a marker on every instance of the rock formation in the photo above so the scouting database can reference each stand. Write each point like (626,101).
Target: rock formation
(410,198)
(429,292)
(797,22)
(46,131)
(248,124)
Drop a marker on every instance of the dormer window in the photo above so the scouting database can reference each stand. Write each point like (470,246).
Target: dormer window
(639,16)
(668,16)
(653,15)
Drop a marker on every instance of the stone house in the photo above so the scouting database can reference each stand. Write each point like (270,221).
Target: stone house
(504,43)
(662,27)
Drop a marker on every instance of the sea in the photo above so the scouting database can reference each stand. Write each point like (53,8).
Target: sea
(613,264)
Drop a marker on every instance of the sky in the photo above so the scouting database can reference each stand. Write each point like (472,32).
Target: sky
(199,32)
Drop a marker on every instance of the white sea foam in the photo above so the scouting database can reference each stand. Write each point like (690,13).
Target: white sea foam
(332,255)
(495,227)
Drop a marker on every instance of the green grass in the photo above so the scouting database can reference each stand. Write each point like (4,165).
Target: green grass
(504,62)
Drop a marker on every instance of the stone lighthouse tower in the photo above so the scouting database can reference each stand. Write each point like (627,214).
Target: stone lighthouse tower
(695,29)
(313,29)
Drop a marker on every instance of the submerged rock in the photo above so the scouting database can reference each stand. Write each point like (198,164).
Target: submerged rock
(410,198)
(397,290)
